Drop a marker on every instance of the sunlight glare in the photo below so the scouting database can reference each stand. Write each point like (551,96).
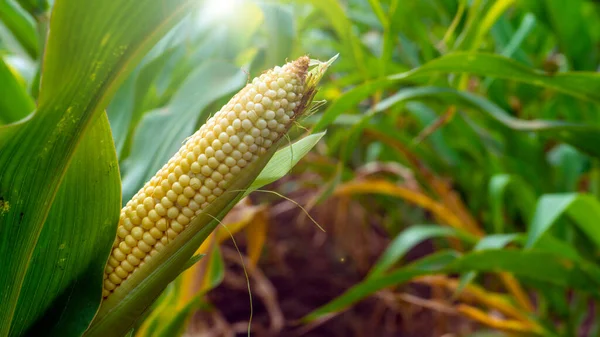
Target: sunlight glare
(221,9)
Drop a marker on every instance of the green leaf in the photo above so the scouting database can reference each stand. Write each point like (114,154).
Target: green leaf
(192,261)
(583,209)
(21,25)
(548,209)
(35,7)
(120,111)
(527,24)
(520,191)
(539,266)
(63,286)
(284,160)
(568,164)
(404,242)
(15,102)
(424,266)
(550,244)
(494,241)
(571,29)
(173,322)
(90,49)
(582,136)
(349,100)
(497,188)
(280,36)
(583,85)
(333,11)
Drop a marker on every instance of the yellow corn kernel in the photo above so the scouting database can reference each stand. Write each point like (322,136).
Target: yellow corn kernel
(237,135)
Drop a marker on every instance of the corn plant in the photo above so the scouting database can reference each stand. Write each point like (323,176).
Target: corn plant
(60,207)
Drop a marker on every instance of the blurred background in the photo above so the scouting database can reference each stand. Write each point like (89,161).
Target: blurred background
(454,194)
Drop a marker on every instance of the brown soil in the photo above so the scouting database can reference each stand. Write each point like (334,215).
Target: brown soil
(303,268)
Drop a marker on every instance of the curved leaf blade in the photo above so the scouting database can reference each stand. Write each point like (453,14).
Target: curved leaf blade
(62,289)
(584,210)
(584,85)
(15,103)
(427,265)
(91,47)
(284,160)
(582,136)
(539,266)
(404,242)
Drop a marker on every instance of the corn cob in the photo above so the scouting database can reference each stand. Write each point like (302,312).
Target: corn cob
(244,129)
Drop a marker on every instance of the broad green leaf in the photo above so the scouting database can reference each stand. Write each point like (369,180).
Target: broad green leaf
(15,102)
(90,49)
(583,85)
(175,122)
(550,244)
(63,286)
(540,266)
(148,87)
(494,241)
(582,136)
